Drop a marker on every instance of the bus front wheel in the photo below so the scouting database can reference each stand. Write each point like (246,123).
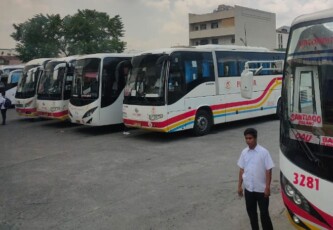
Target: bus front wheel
(202,123)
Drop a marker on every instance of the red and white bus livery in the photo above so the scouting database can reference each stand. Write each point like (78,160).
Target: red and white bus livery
(306,130)
(175,89)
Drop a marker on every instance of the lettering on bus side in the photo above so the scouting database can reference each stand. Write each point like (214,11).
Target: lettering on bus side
(239,83)
(301,135)
(306,119)
(309,182)
(326,141)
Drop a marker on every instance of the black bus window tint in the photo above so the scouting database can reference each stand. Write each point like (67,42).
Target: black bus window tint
(207,67)
(227,64)
(220,67)
(114,76)
(108,79)
(68,82)
(231,67)
(176,86)
(197,68)
(122,71)
(191,70)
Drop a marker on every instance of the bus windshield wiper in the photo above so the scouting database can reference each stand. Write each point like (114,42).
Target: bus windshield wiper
(311,156)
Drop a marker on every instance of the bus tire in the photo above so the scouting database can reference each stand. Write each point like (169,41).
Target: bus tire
(202,123)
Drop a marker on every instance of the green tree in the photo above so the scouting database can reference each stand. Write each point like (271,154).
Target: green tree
(86,32)
(89,31)
(38,37)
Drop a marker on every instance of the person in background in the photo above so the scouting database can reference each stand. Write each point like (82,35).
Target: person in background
(255,173)
(2,108)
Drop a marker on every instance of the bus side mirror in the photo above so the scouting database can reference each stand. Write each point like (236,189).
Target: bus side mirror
(246,84)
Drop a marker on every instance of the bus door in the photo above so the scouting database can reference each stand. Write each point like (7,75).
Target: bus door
(305,104)
(68,81)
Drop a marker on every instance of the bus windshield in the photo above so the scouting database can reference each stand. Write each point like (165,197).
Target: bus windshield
(27,84)
(50,84)
(146,79)
(307,127)
(86,78)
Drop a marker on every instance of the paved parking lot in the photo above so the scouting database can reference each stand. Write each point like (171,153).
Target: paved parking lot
(56,175)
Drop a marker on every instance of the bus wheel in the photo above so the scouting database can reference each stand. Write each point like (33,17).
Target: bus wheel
(202,123)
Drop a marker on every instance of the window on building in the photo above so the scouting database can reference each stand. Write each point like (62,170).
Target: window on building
(203,26)
(215,41)
(233,40)
(214,25)
(203,41)
(280,41)
(197,43)
(195,28)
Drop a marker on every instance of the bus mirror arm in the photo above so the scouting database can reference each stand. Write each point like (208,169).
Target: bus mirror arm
(258,70)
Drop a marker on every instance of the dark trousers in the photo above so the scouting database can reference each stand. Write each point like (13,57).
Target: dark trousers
(251,200)
(3,114)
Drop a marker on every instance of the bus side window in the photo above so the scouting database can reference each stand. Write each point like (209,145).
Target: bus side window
(206,69)
(220,68)
(232,68)
(190,71)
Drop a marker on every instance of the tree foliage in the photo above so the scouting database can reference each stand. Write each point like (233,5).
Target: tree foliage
(38,37)
(86,32)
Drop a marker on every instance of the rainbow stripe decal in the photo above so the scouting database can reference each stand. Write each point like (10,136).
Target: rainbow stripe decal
(221,110)
(27,112)
(62,115)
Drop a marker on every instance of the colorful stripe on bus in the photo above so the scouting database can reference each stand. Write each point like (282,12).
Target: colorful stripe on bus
(27,112)
(62,115)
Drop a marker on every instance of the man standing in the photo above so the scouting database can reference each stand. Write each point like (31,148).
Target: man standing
(3,109)
(255,173)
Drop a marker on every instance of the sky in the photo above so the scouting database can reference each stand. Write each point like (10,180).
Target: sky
(148,24)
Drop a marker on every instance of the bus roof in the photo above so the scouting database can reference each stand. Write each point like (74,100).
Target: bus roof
(66,59)
(38,61)
(313,16)
(103,55)
(209,48)
(11,67)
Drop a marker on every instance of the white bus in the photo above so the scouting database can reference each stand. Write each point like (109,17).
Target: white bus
(54,88)
(306,129)
(26,95)
(97,93)
(9,77)
(13,79)
(193,88)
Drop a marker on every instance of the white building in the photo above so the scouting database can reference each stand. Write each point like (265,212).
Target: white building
(282,35)
(233,25)
(8,52)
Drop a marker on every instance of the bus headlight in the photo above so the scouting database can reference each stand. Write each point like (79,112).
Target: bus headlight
(289,190)
(294,194)
(297,199)
(296,219)
(89,112)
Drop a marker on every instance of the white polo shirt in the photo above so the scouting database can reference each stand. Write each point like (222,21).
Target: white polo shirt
(255,162)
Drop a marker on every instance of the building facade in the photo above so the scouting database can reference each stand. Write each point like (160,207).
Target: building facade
(8,52)
(236,25)
(282,35)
